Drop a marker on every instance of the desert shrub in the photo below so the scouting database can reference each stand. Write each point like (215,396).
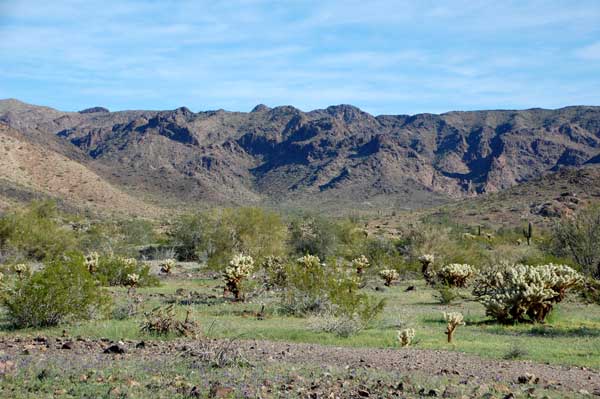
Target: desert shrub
(37,231)
(346,298)
(239,269)
(389,276)
(222,233)
(274,268)
(579,238)
(118,271)
(325,238)
(381,252)
(455,274)
(333,291)
(519,293)
(62,291)
(342,326)
(189,235)
(590,291)
(163,321)
(445,294)
(130,308)
(515,352)
(306,290)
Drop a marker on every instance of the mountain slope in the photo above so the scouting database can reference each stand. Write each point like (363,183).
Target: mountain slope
(339,156)
(28,171)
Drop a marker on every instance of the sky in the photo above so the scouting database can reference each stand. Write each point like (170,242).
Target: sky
(386,57)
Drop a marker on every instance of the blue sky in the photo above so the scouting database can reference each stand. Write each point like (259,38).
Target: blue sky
(386,57)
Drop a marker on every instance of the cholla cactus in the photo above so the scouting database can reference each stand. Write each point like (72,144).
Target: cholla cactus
(167,266)
(91,261)
(454,319)
(309,261)
(132,280)
(360,264)
(389,275)
(128,262)
(427,259)
(520,292)
(21,269)
(406,336)
(426,263)
(456,274)
(240,267)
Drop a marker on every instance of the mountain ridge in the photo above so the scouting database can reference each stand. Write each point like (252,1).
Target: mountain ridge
(288,157)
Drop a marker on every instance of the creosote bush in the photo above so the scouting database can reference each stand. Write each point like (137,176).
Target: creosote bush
(38,231)
(519,293)
(62,291)
(116,271)
(163,321)
(331,291)
(275,272)
(445,294)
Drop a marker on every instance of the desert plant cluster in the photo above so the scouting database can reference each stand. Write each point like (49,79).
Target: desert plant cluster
(260,274)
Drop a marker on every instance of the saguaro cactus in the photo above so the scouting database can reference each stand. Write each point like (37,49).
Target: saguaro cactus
(528,233)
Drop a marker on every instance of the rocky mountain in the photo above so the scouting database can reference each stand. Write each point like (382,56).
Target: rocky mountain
(334,157)
(29,171)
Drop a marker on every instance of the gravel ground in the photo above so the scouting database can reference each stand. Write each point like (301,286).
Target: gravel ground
(455,365)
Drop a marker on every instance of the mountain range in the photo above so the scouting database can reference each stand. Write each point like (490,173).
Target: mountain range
(333,158)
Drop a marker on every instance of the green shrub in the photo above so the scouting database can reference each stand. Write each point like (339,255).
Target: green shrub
(115,271)
(590,291)
(222,233)
(579,238)
(275,273)
(333,291)
(520,293)
(62,291)
(325,237)
(445,294)
(36,231)
(306,290)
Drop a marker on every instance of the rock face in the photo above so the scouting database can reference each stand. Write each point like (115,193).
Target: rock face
(339,154)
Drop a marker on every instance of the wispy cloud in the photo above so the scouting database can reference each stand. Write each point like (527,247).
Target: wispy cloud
(386,56)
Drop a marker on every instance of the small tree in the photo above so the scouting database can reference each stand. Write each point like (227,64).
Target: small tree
(580,238)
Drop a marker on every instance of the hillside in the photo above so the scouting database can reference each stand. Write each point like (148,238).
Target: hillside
(28,171)
(334,158)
